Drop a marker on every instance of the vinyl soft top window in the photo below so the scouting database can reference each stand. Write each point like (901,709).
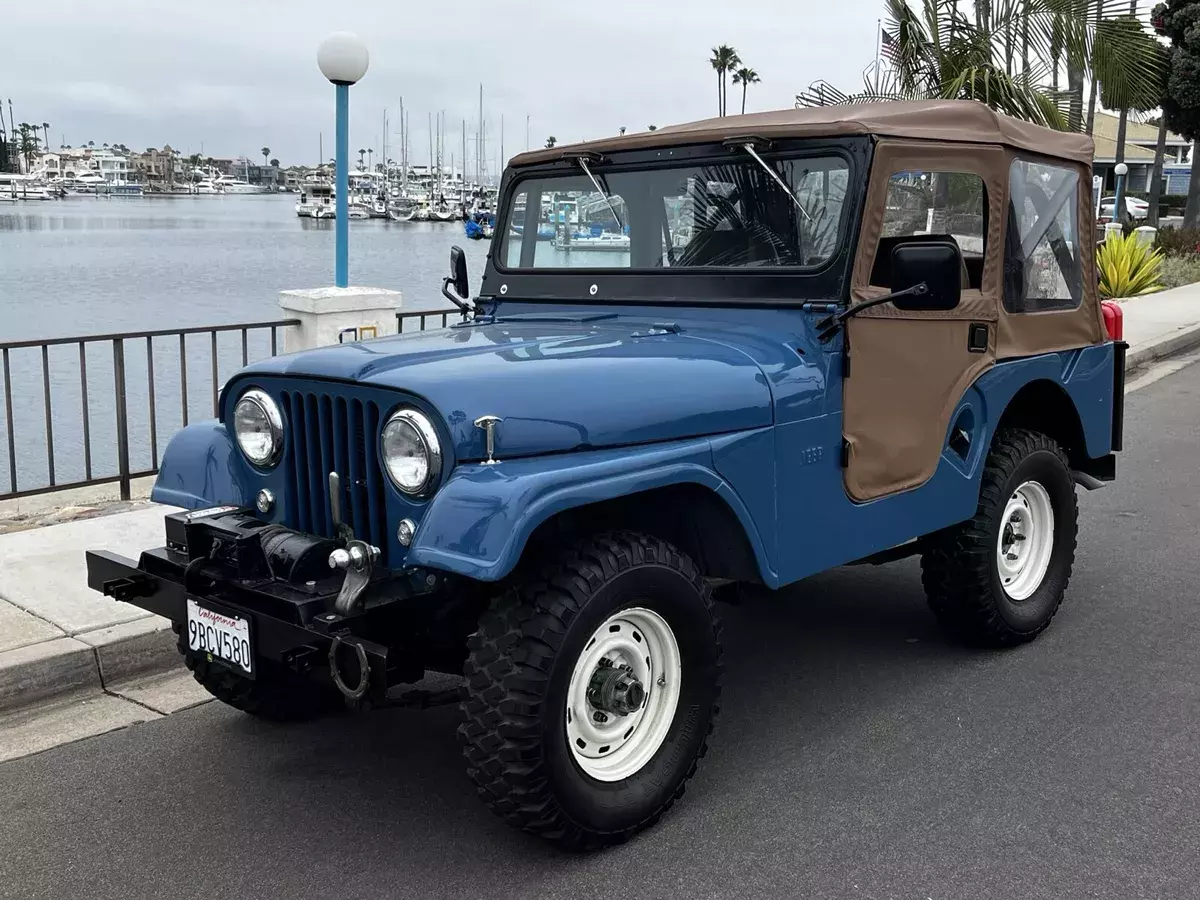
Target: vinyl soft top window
(1043,254)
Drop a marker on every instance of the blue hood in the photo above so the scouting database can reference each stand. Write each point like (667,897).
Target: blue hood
(558,385)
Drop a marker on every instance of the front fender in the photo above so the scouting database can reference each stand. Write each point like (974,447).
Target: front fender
(201,467)
(479,522)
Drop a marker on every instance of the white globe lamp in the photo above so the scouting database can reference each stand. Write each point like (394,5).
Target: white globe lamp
(343,57)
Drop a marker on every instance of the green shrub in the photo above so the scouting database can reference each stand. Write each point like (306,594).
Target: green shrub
(1178,241)
(1180,270)
(1128,268)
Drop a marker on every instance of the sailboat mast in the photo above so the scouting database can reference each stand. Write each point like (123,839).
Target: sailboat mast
(479,142)
(464,160)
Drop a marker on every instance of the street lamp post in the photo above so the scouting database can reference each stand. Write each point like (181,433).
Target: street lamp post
(1121,170)
(343,59)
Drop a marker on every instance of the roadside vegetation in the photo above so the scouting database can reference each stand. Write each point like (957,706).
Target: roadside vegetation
(1128,267)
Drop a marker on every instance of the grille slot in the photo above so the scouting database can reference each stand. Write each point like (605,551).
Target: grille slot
(327,433)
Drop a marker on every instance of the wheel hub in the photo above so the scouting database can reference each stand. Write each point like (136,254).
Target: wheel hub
(1026,540)
(623,694)
(615,689)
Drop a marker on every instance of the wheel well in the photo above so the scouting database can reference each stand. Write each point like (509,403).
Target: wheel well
(689,516)
(1045,407)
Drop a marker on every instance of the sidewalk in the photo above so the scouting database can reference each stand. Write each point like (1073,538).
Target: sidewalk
(1161,325)
(74,663)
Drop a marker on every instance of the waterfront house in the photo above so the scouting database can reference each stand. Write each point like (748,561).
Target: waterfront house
(1140,142)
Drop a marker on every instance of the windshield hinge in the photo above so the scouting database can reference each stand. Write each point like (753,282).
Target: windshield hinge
(819,307)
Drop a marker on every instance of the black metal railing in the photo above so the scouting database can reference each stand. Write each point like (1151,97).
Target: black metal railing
(93,464)
(444,316)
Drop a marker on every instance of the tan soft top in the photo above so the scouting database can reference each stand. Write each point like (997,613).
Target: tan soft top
(929,120)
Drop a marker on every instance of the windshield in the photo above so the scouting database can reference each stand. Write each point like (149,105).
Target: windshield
(728,214)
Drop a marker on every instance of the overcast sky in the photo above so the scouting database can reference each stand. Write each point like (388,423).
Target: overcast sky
(237,75)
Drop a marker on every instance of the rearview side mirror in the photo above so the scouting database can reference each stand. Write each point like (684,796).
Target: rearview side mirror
(458,272)
(938,264)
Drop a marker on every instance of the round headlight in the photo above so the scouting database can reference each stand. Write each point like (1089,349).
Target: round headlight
(411,453)
(258,428)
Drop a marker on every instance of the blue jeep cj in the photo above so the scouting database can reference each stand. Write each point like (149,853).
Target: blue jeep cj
(730,353)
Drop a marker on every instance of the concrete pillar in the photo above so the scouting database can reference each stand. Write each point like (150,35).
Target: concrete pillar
(1146,234)
(334,315)
(1112,228)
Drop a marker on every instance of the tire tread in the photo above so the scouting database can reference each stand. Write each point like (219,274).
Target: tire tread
(956,567)
(507,673)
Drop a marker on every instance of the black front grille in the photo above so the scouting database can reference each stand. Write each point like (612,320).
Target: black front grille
(328,433)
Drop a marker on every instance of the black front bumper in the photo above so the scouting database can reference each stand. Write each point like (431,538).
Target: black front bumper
(291,627)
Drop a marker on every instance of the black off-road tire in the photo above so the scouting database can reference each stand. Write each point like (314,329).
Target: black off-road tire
(518,672)
(959,568)
(277,694)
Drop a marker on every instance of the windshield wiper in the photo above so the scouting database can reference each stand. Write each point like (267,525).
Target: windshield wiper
(749,148)
(583,164)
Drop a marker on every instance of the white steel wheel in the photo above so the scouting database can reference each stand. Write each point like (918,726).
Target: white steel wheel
(1026,541)
(623,694)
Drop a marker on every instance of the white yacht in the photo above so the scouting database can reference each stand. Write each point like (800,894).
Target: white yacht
(15,187)
(316,201)
(228,184)
(84,183)
(205,186)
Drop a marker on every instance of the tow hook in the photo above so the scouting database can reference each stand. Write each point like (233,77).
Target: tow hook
(353,685)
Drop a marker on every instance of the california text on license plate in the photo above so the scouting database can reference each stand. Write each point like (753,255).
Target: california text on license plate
(223,636)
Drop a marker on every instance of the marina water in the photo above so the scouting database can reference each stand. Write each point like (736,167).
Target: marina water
(88,265)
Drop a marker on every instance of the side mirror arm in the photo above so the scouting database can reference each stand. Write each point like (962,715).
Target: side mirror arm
(466,306)
(828,327)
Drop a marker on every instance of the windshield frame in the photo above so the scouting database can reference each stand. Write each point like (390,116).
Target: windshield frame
(827,280)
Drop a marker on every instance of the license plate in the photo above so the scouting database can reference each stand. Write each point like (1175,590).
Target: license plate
(220,636)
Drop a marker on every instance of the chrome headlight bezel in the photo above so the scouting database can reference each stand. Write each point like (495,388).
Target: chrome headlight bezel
(270,411)
(427,435)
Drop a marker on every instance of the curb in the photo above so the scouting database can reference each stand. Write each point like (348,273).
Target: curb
(93,660)
(1183,340)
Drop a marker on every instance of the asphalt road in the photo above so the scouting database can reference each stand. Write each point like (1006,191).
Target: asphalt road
(860,755)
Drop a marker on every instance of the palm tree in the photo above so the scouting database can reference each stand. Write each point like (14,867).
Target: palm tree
(28,142)
(551,141)
(266,151)
(275,163)
(745,77)
(46,130)
(724,59)
(622,130)
(652,128)
(940,52)
(361,156)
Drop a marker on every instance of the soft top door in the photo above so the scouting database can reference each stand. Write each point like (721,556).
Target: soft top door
(910,368)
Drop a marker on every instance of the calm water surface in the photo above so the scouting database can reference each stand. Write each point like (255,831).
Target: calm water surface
(88,265)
